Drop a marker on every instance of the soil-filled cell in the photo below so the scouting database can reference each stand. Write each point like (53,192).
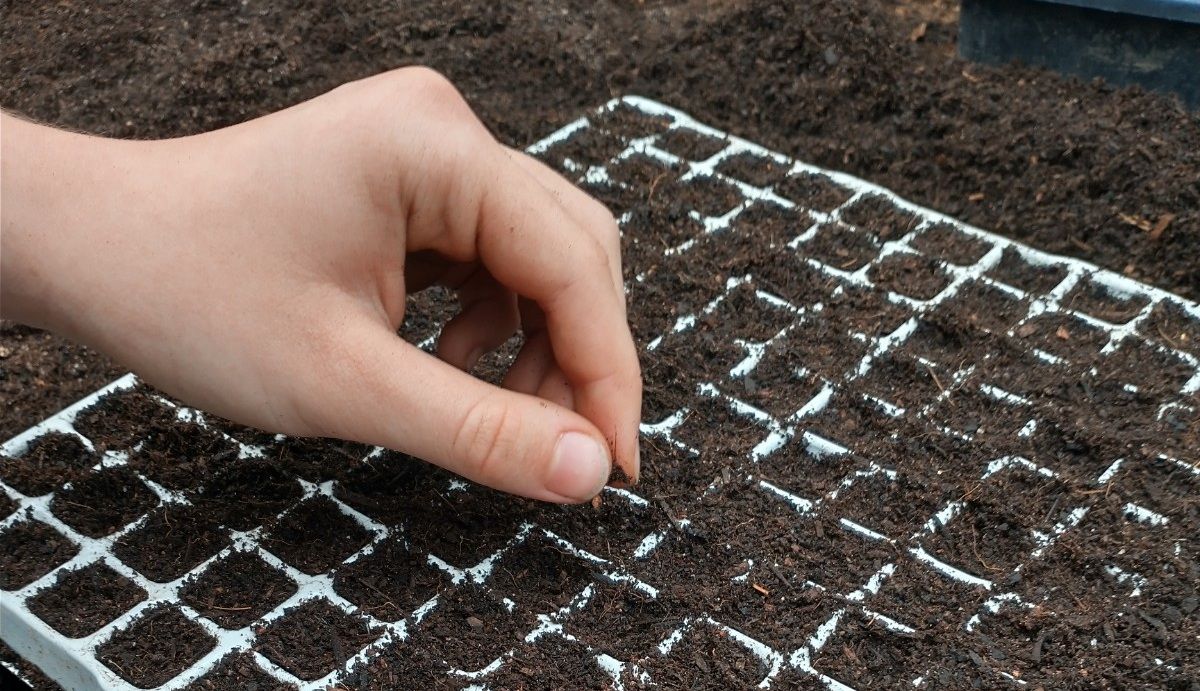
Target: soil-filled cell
(895,506)
(155,647)
(482,627)
(426,312)
(841,247)
(1173,326)
(314,639)
(743,315)
(183,455)
(172,541)
(911,275)
(390,486)
(238,672)
(51,461)
(979,306)
(926,600)
(814,191)
(465,526)
(539,576)
(1099,301)
(1063,336)
(237,590)
(390,582)
(316,459)
(624,623)
(706,657)
(904,382)
(315,536)
(1035,279)
(864,311)
(610,530)
(247,493)
(80,601)
(757,170)
(32,549)
(807,473)
(721,434)
(690,144)
(946,242)
(818,345)
(104,501)
(877,214)
(776,385)
(119,419)
(550,663)
(705,194)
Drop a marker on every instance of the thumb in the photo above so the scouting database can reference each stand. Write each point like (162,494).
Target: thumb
(403,398)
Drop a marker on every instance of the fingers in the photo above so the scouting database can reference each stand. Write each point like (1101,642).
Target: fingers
(406,399)
(487,319)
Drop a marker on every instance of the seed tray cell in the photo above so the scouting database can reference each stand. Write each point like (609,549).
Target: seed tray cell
(867,461)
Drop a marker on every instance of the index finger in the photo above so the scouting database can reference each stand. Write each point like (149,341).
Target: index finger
(531,244)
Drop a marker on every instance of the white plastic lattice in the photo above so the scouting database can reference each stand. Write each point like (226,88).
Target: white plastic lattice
(861,240)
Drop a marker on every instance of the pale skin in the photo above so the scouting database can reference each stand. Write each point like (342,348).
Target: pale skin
(260,272)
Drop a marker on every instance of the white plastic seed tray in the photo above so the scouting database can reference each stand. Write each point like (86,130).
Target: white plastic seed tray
(73,662)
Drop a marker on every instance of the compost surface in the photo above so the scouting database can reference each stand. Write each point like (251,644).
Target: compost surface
(879,446)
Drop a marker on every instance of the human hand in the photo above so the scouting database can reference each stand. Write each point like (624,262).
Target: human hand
(260,272)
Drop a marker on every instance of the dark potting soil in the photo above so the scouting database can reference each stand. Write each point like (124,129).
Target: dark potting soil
(759,171)
(33,549)
(540,576)
(80,601)
(237,589)
(550,663)
(238,672)
(119,419)
(815,192)
(912,275)
(390,582)
(314,638)
(245,494)
(155,647)
(481,626)
(947,243)
(315,536)
(706,658)
(7,505)
(841,247)
(181,456)
(51,460)
(103,501)
(172,541)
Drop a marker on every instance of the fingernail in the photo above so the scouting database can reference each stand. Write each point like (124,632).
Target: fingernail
(580,467)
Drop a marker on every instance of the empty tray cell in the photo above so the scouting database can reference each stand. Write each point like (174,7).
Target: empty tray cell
(981,416)
(892,505)
(237,589)
(316,536)
(912,275)
(1173,326)
(80,601)
(816,192)
(840,246)
(743,315)
(978,305)
(800,472)
(624,623)
(238,671)
(760,171)
(864,311)
(776,384)
(610,529)
(390,582)
(465,526)
(183,455)
(539,576)
(426,312)
(690,144)
(156,647)
(706,195)
(1099,301)
(172,541)
(999,523)
(718,432)
(1036,279)
(389,486)
(315,638)
(246,493)
(551,663)
(904,382)
(630,122)
(482,627)
(104,501)
(32,549)
(880,216)
(1153,369)
(925,599)
(119,419)
(51,461)
(317,460)
(706,658)
(1064,336)
(945,242)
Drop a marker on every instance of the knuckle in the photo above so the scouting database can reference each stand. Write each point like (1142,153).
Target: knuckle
(485,438)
